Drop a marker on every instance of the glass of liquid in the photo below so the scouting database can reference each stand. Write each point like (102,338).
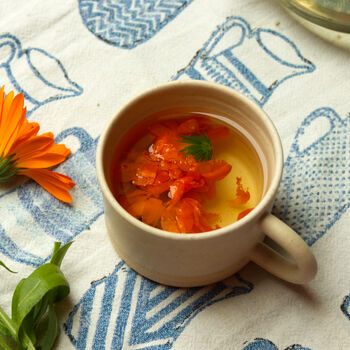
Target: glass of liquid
(332,14)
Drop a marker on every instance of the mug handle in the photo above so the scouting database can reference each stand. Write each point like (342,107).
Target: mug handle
(304,267)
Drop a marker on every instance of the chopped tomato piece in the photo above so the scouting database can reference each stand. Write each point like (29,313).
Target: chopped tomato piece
(168,220)
(145,174)
(159,129)
(242,196)
(162,176)
(187,164)
(214,170)
(136,208)
(152,211)
(134,202)
(183,185)
(157,190)
(175,173)
(199,216)
(184,216)
(244,213)
(164,148)
(189,126)
(219,133)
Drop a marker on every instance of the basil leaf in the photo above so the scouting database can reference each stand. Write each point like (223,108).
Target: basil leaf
(7,327)
(39,310)
(4,345)
(51,332)
(59,253)
(32,289)
(33,299)
(26,336)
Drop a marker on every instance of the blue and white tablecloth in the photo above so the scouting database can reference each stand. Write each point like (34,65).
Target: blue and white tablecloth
(77,62)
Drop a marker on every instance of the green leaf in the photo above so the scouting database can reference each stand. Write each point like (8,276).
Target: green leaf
(200,146)
(33,298)
(8,328)
(39,309)
(26,335)
(3,265)
(51,332)
(32,289)
(4,345)
(26,343)
(59,253)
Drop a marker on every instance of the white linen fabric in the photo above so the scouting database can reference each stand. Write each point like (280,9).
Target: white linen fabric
(77,62)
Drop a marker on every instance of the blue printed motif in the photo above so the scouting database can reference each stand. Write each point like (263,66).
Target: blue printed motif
(345,306)
(128,23)
(46,79)
(35,219)
(315,189)
(125,310)
(254,62)
(264,344)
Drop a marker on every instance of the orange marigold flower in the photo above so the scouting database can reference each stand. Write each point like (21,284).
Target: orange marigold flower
(23,152)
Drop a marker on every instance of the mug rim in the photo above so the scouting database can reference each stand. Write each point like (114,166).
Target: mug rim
(256,212)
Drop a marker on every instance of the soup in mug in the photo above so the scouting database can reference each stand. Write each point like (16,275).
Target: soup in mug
(187,172)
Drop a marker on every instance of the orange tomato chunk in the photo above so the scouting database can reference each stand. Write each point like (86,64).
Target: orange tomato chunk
(152,211)
(145,174)
(189,126)
(242,214)
(219,133)
(242,196)
(214,170)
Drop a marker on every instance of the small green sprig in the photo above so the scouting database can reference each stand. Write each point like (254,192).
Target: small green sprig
(200,146)
(34,324)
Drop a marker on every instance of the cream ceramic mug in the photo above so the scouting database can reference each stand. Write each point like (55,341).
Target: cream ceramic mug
(187,260)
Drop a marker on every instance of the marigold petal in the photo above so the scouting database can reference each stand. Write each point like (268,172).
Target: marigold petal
(2,95)
(6,104)
(12,121)
(47,134)
(46,160)
(55,183)
(33,147)
(27,131)
(60,149)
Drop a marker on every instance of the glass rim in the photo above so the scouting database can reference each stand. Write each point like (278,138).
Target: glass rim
(321,15)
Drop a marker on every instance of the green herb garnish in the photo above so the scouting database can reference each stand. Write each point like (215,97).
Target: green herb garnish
(200,146)
(34,322)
